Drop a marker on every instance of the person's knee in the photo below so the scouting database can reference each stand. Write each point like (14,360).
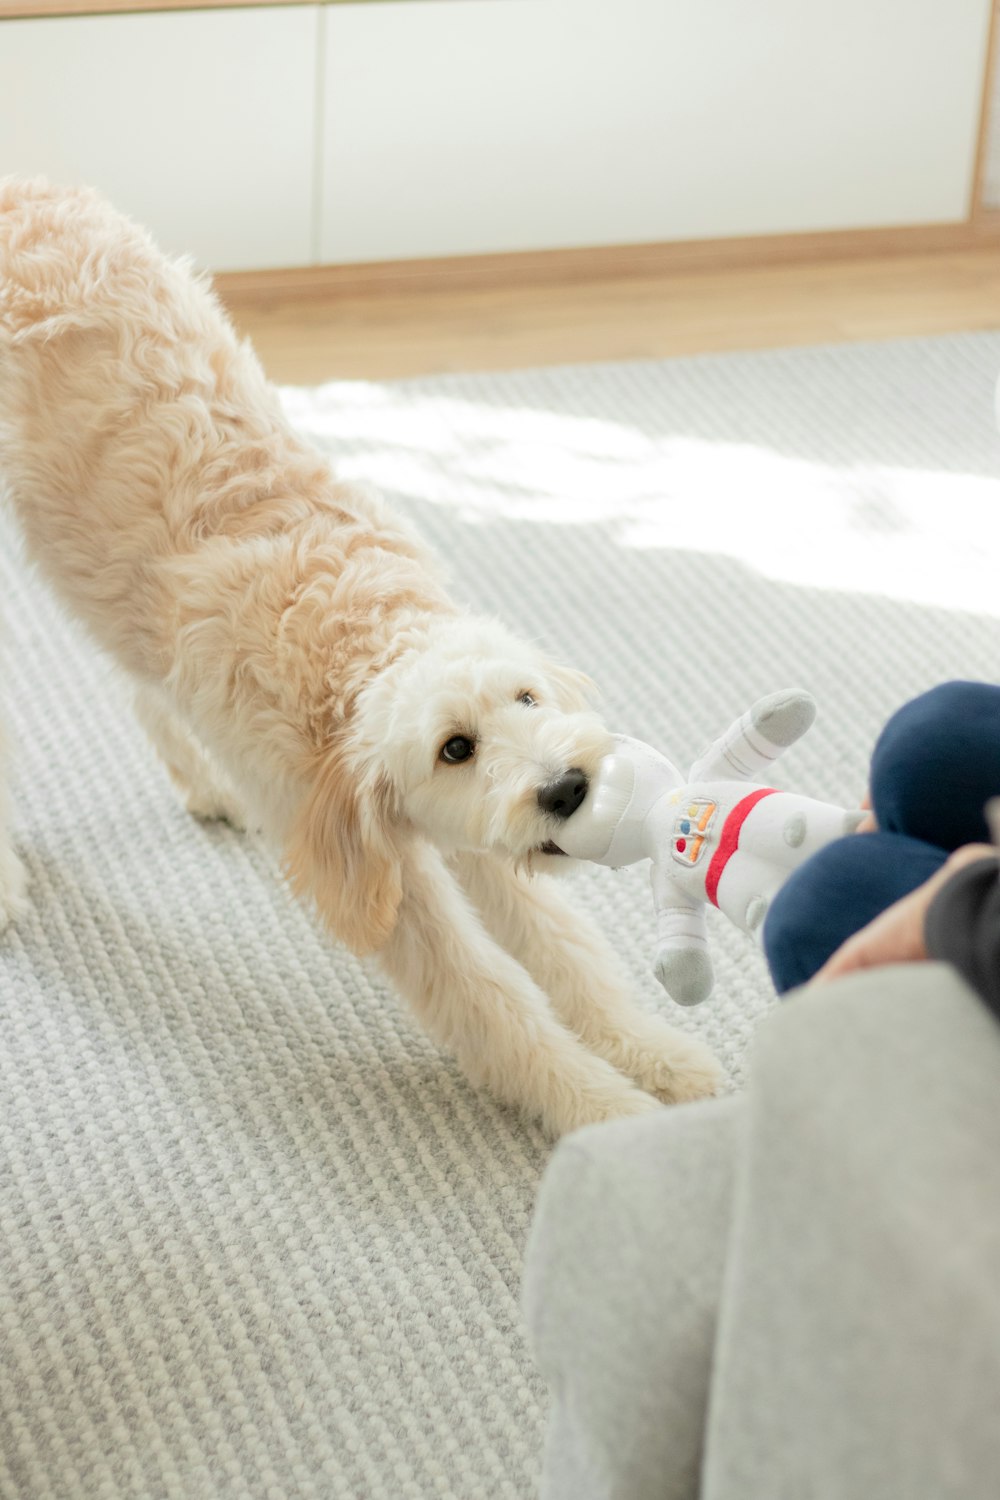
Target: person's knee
(935,715)
(929,750)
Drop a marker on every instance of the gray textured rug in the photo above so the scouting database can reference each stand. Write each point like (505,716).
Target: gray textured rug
(257,1238)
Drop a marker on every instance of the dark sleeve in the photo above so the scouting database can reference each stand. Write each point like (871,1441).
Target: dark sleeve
(962,927)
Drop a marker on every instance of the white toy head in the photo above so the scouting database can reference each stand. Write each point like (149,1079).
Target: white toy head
(613,825)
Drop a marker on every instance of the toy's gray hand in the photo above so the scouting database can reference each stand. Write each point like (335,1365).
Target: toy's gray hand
(751,745)
(782,718)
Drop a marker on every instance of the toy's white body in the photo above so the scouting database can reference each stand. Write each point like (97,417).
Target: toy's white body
(714,836)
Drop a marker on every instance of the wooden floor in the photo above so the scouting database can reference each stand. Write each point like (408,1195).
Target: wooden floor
(387,334)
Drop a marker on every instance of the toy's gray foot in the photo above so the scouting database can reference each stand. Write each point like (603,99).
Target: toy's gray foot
(686,975)
(782,718)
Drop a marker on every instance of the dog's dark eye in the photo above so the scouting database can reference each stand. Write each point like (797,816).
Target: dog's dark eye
(528,699)
(458,749)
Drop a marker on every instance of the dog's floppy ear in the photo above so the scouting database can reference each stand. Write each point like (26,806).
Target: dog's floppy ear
(575,690)
(344,855)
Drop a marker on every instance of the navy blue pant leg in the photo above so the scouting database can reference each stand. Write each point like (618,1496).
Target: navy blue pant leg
(837,892)
(935,765)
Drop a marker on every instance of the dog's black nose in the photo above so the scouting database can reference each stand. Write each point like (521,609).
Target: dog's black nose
(563,796)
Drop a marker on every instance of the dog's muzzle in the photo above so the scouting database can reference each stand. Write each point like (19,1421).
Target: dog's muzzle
(561,798)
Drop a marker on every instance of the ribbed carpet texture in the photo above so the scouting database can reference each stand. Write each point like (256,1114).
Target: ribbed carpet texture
(258,1237)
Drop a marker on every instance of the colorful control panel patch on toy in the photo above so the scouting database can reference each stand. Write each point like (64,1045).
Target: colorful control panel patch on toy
(691,830)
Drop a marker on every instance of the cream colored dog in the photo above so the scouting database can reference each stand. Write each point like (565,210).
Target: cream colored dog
(300,667)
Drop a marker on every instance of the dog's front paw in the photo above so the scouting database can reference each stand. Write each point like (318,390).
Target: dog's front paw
(597,1107)
(680,1069)
(13,888)
(211,804)
(612,1098)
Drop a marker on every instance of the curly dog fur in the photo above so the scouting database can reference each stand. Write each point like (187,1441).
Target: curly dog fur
(299,665)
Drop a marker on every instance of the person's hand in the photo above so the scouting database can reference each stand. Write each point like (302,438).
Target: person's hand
(896,936)
(867,825)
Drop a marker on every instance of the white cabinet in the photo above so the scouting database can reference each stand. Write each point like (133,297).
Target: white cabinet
(281,136)
(523,124)
(200,124)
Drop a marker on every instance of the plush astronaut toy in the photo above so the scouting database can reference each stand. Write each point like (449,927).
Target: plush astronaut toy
(713,836)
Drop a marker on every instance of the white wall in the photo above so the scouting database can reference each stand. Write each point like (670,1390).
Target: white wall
(440,127)
(201,124)
(574,122)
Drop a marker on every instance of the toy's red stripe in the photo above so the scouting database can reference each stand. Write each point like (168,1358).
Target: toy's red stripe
(730,839)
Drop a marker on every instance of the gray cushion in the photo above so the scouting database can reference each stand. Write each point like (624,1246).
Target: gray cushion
(796,1291)
(859,1340)
(624,1268)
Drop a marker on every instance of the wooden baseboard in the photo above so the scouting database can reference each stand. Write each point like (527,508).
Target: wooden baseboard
(35,10)
(601,263)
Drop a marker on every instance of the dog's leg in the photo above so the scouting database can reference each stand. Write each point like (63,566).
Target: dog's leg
(577,969)
(13,877)
(480,1004)
(202,785)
